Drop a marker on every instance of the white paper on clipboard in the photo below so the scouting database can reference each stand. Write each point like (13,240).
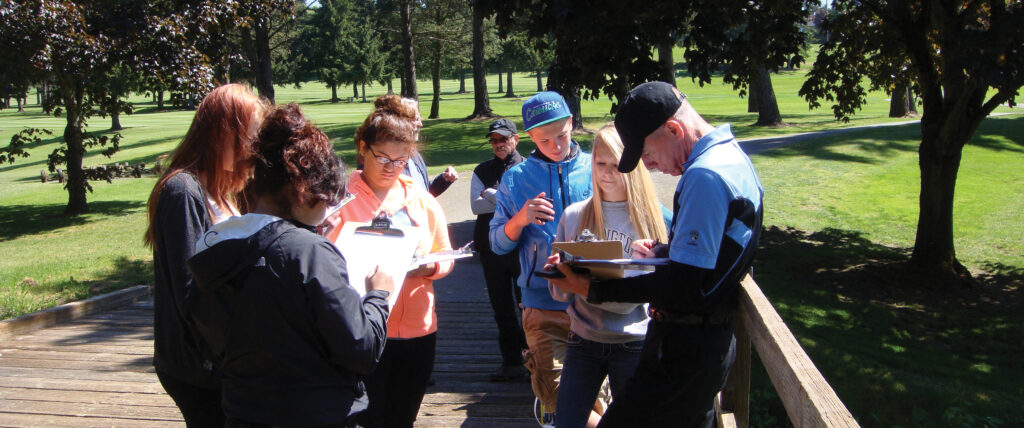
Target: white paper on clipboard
(364,251)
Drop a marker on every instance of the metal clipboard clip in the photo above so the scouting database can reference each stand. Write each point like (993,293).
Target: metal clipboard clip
(380,226)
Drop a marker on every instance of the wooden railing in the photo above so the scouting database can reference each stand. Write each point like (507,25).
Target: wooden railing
(808,398)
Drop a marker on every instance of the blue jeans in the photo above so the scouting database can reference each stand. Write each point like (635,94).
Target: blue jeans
(586,364)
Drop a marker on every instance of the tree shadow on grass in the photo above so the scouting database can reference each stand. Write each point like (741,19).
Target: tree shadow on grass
(889,338)
(21,220)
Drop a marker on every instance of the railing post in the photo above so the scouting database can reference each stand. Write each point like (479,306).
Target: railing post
(735,397)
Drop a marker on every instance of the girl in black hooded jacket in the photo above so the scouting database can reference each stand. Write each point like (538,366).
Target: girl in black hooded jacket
(288,331)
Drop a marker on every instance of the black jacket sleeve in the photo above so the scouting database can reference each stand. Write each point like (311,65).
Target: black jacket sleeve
(181,219)
(353,328)
(439,185)
(675,287)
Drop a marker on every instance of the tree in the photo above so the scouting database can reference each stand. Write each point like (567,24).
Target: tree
(442,32)
(261,25)
(77,44)
(408,55)
(619,56)
(481,102)
(753,40)
(327,43)
(965,59)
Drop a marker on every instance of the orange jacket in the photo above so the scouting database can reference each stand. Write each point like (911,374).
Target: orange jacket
(413,314)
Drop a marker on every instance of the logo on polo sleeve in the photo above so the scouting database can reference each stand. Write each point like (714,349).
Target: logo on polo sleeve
(694,236)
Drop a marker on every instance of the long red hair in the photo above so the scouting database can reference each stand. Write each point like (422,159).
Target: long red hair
(226,121)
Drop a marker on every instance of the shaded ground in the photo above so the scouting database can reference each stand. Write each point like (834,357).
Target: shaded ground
(914,352)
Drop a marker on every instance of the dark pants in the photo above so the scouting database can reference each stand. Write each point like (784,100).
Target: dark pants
(199,406)
(505,296)
(396,388)
(681,370)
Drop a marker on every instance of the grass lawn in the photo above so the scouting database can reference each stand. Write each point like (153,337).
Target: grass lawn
(841,215)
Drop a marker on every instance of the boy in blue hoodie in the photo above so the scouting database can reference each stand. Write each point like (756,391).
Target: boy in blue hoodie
(530,201)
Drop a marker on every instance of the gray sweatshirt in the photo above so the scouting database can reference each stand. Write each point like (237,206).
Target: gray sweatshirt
(609,322)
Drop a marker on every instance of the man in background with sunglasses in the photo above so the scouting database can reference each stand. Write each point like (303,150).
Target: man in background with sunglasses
(500,271)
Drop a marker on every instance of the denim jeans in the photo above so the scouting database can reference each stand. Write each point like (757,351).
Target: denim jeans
(586,364)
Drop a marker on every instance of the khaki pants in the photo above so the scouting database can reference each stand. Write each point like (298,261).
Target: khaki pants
(546,333)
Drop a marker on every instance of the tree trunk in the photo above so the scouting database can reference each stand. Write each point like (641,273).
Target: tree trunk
(355,92)
(943,137)
(115,121)
(901,103)
(409,76)
(752,95)
(391,90)
(667,72)
(501,83)
(364,92)
(540,83)
(897,102)
(435,101)
(911,102)
(334,92)
(21,105)
(767,107)
(462,79)
(262,66)
(76,185)
(481,103)
(508,86)
(160,100)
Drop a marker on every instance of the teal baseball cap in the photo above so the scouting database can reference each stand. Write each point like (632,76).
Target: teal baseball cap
(544,108)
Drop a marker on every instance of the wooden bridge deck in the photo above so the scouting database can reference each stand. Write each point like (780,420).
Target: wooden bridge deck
(97,370)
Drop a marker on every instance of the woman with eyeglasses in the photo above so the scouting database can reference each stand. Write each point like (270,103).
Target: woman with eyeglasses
(385,143)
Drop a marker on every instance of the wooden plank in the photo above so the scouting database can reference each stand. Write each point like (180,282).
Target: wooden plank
(124,349)
(808,398)
(71,311)
(92,397)
(79,375)
(141,364)
(76,385)
(473,422)
(72,354)
(41,420)
(90,409)
(735,397)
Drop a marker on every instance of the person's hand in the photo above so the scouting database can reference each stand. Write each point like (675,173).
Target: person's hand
(378,280)
(648,248)
(423,270)
(538,210)
(573,282)
(450,175)
(642,248)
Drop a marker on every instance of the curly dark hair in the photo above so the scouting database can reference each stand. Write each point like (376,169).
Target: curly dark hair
(291,151)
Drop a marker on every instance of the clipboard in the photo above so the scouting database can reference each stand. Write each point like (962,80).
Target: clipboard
(378,243)
(593,250)
(462,252)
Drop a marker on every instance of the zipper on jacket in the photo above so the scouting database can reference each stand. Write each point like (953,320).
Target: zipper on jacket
(561,185)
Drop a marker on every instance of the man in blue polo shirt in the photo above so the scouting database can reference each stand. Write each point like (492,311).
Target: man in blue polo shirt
(716,226)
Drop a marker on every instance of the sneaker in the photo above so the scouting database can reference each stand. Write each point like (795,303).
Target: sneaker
(509,373)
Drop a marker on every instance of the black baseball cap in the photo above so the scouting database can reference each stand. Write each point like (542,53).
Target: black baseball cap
(645,108)
(502,126)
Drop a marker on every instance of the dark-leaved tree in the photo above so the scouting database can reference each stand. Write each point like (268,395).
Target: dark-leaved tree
(966,58)
(77,44)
